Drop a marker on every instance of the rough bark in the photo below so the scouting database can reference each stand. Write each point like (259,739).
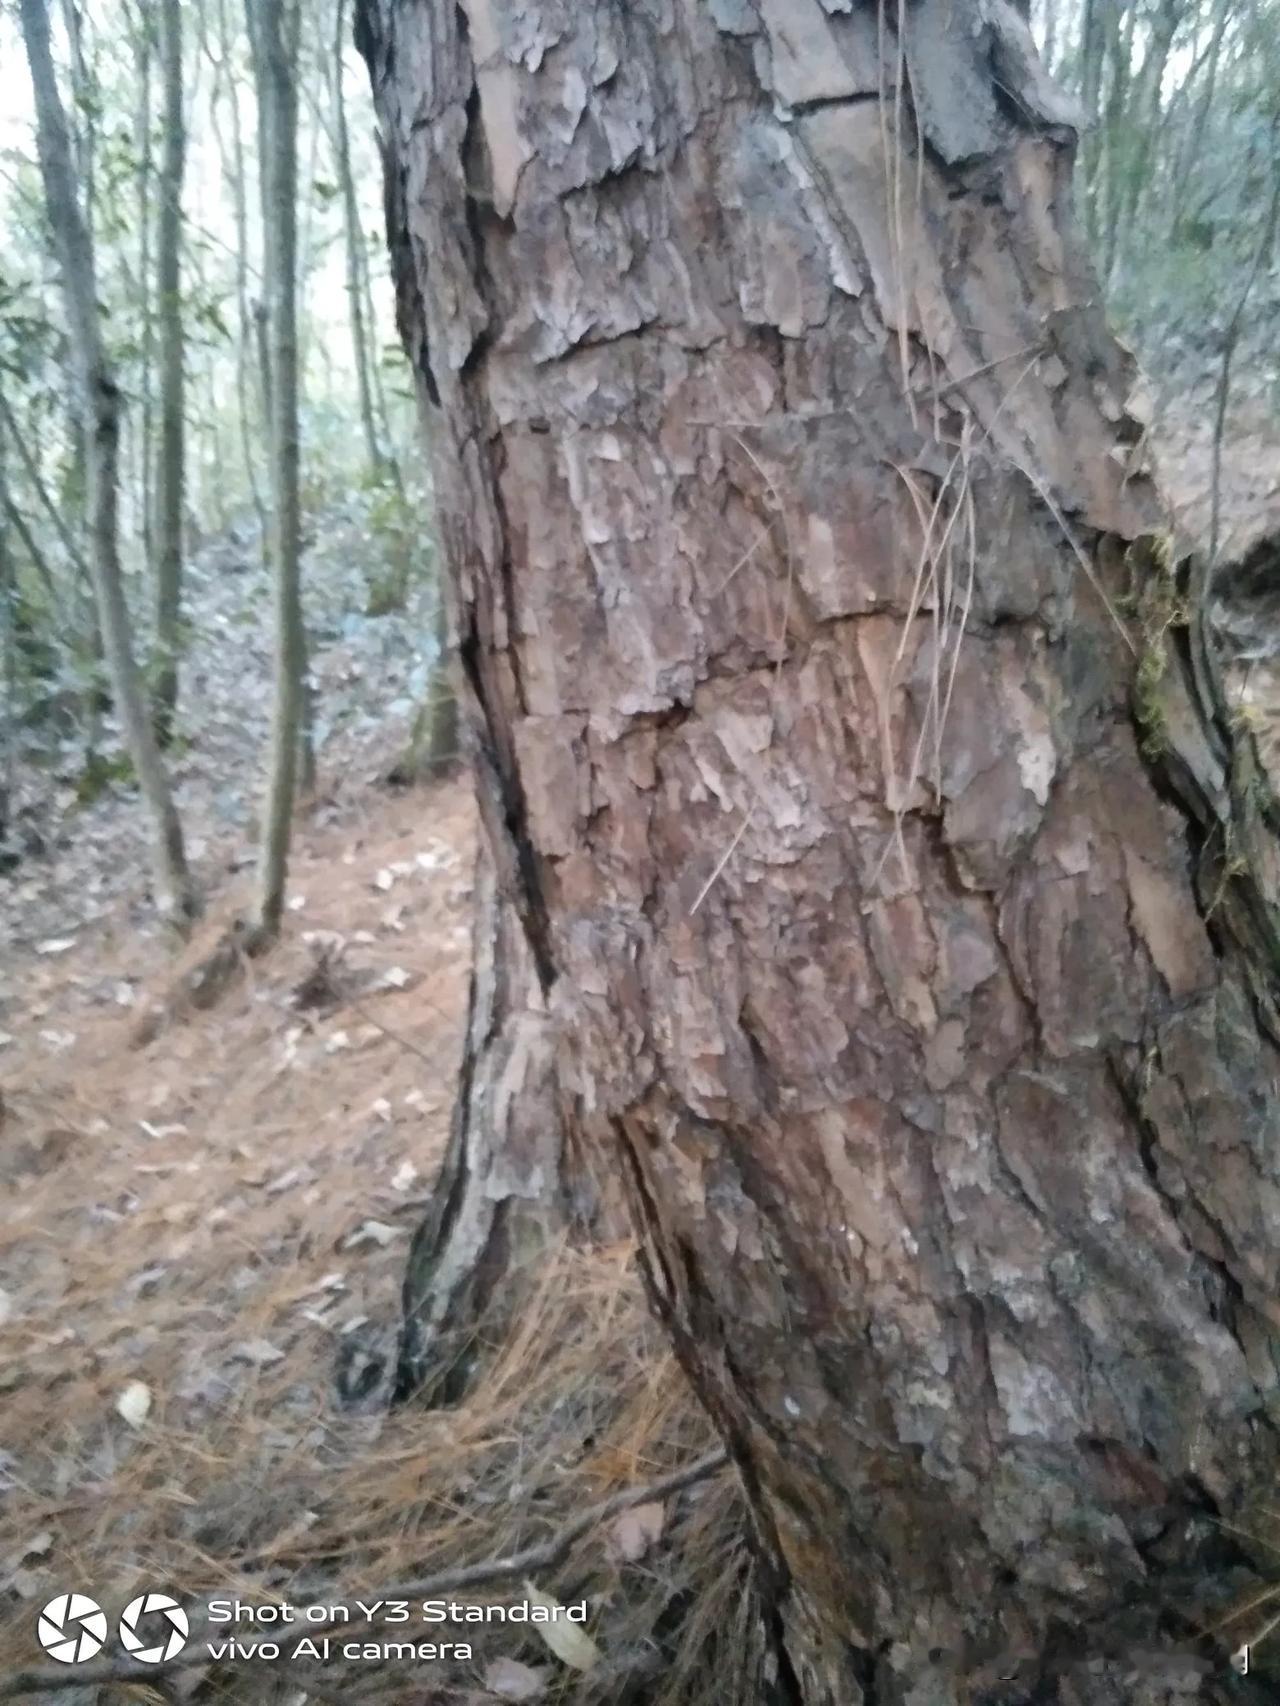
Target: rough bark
(898,892)
(496,1200)
(170,483)
(100,408)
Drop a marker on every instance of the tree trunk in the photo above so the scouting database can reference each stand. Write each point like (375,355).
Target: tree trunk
(434,740)
(170,485)
(383,414)
(1197,143)
(498,1195)
(143,55)
(234,172)
(1146,121)
(101,413)
(899,900)
(352,237)
(308,246)
(1093,52)
(82,128)
(274,25)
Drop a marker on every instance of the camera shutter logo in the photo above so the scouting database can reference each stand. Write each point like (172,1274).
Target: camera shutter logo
(72,1628)
(153,1628)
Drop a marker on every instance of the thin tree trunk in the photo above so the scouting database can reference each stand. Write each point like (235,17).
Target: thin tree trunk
(307,772)
(434,737)
(1116,135)
(144,56)
(900,909)
(383,414)
(82,145)
(234,172)
(74,493)
(1194,143)
(82,128)
(171,483)
(70,627)
(101,406)
(308,775)
(39,563)
(1144,117)
(496,1200)
(306,246)
(75,557)
(274,25)
(1048,50)
(1093,46)
(351,224)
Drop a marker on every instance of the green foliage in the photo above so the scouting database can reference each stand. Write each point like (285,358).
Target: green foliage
(101,773)
(403,554)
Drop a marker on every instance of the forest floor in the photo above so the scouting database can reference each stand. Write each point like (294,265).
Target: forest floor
(207,1212)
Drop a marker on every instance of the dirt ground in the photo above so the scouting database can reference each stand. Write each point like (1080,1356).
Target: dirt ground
(207,1213)
(209,1218)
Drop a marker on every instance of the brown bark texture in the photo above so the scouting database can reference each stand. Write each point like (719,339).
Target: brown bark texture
(858,786)
(497,1199)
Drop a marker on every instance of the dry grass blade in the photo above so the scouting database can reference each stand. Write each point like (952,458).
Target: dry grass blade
(544,1556)
(184,1218)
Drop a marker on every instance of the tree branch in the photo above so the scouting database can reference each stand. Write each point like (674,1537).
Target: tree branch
(73,551)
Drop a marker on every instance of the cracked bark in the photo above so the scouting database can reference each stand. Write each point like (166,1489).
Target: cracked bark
(498,1196)
(893,893)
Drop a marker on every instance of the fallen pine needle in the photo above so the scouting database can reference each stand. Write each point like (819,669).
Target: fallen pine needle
(544,1556)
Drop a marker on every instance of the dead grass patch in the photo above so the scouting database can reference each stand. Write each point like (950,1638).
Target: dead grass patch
(217,1214)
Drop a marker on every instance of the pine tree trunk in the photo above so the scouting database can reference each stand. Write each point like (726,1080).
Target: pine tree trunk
(898,893)
(497,1200)
(170,485)
(101,413)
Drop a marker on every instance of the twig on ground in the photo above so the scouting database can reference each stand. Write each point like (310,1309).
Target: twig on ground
(546,1555)
(394,1036)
